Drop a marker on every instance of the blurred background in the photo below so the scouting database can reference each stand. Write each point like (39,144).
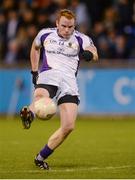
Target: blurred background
(107,87)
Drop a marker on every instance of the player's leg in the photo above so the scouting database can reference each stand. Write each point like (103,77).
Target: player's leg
(39,93)
(43,89)
(27,112)
(68,106)
(68,113)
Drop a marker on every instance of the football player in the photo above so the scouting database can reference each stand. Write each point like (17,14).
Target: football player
(59,49)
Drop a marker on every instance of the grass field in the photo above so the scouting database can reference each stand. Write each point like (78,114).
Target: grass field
(99,148)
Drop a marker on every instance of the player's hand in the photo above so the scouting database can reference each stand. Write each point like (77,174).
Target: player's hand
(34,77)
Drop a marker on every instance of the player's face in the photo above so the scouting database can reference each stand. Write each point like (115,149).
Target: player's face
(65,26)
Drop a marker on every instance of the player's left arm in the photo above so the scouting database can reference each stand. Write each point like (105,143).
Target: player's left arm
(89,49)
(90,53)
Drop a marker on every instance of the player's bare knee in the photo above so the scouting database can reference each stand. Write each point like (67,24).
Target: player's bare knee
(40,93)
(68,129)
(39,96)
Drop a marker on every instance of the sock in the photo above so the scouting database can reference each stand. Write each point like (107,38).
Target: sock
(44,153)
(39,157)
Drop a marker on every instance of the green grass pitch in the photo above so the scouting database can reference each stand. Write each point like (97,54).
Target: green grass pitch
(98,148)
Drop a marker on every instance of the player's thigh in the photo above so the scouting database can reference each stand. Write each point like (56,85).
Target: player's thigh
(40,92)
(45,90)
(68,114)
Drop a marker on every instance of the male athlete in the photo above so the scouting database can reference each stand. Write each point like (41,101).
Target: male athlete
(59,48)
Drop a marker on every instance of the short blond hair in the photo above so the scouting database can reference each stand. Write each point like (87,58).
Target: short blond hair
(66,13)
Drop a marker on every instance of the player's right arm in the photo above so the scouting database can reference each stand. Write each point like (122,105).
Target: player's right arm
(34,56)
(35,50)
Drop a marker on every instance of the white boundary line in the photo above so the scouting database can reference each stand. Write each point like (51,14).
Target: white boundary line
(70,179)
(68,170)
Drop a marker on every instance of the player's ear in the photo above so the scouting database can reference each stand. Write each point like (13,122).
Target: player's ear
(57,23)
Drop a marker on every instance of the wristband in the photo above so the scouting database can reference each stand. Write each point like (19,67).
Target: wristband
(34,77)
(34,72)
(87,55)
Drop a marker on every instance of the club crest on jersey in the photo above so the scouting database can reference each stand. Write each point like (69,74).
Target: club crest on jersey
(72,45)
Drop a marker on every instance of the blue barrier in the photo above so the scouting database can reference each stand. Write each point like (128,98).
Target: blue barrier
(101,91)
(15,90)
(107,91)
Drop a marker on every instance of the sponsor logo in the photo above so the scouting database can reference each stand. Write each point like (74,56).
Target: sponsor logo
(122,90)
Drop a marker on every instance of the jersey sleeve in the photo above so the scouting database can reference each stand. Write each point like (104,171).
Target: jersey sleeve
(37,40)
(86,41)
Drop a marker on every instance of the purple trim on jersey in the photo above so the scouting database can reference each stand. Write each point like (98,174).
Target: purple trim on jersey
(43,37)
(45,65)
(80,42)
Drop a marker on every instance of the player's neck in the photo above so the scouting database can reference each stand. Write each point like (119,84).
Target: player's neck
(62,36)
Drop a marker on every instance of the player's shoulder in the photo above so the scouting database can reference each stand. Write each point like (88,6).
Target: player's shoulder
(80,34)
(46,31)
(83,38)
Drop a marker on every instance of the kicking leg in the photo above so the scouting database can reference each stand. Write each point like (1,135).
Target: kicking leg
(27,112)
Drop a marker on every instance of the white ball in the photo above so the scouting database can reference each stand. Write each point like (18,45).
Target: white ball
(45,108)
